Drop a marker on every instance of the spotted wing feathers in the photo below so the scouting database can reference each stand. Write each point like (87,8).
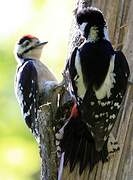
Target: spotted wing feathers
(27,91)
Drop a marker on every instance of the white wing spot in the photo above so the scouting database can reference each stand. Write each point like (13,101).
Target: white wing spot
(101,127)
(92,103)
(125,74)
(96,116)
(30,95)
(26,114)
(107,114)
(117,105)
(24,103)
(112,116)
(101,114)
(99,102)
(103,104)
(21,87)
(108,102)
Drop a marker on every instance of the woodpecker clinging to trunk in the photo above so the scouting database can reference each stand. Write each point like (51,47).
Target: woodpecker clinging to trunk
(99,76)
(33,78)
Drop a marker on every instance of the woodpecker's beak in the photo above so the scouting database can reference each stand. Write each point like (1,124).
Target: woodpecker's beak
(41,44)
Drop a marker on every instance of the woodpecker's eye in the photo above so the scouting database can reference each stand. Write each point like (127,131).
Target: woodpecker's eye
(37,42)
(26,43)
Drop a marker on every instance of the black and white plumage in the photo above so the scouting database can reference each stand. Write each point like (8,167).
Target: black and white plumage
(33,78)
(99,76)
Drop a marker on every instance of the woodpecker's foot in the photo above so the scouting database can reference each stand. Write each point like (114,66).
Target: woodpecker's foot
(112,145)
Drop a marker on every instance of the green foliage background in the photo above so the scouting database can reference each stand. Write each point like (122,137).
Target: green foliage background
(19,157)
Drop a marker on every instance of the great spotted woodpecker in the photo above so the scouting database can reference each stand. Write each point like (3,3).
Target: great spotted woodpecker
(33,79)
(99,77)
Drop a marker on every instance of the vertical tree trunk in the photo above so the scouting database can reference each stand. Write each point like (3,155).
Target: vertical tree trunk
(118,14)
(119,17)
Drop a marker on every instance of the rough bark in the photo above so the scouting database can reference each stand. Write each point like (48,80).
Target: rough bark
(45,128)
(119,17)
(47,143)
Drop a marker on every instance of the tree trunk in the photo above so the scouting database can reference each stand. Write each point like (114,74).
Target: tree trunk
(118,14)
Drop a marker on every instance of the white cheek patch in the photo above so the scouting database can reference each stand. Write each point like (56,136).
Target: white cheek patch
(82,27)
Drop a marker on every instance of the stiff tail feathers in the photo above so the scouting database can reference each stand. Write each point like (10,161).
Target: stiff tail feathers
(78,146)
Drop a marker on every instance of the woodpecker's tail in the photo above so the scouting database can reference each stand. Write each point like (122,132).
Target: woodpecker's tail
(78,146)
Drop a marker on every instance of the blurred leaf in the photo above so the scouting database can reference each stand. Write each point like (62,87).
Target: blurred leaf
(38,4)
(17,159)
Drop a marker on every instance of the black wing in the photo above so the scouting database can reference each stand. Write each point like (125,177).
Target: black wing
(122,70)
(27,91)
(100,115)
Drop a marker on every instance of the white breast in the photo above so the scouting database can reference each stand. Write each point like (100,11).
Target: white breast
(44,74)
